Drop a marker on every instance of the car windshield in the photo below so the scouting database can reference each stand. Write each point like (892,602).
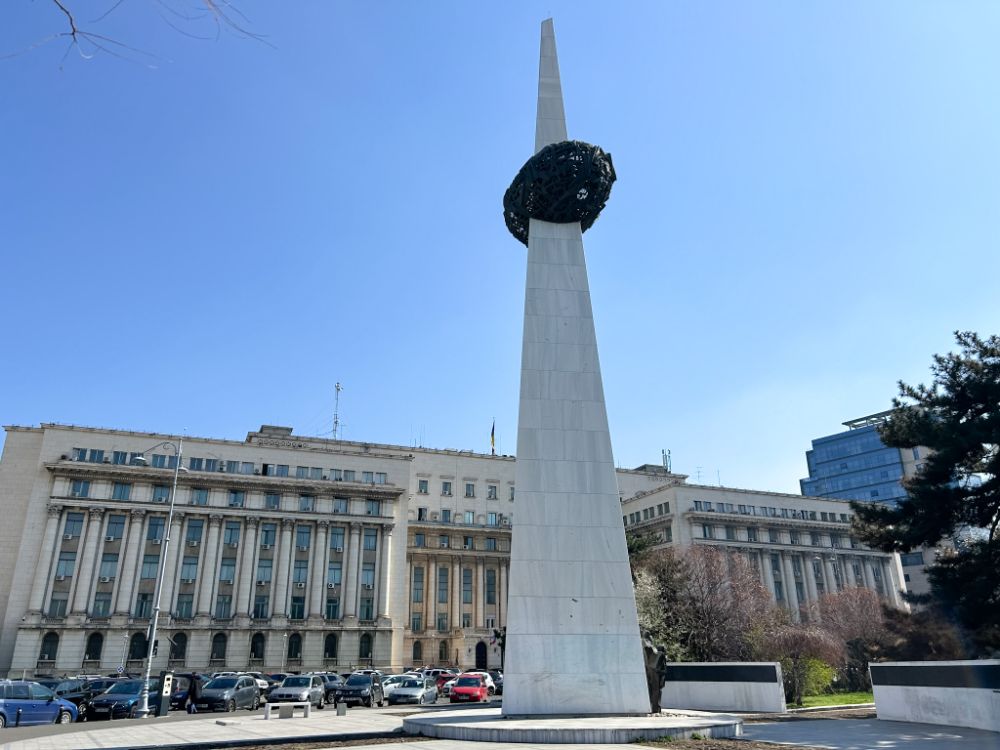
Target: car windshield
(221,683)
(359,679)
(468,682)
(410,684)
(68,686)
(125,687)
(297,682)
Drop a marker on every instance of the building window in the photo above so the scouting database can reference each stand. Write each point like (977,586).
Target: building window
(301,472)
(470,489)
(303,537)
(237,498)
(445,515)
(422,486)
(109,565)
(373,507)
(416,622)
(67,561)
(773,536)
(368,477)
(381,477)
(246,467)
(337,538)
(307,503)
(119,458)
(446,488)
(264,567)
(199,496)
(185,606)
(511,498)
(116,527)
(149,565)
(370,539)
(491,544)
(706,531)
(154,532)
(194,529)
(491,492)
(218,652)
(467,585)
(421,514)
(466,619)
(272,501)
(751,534)
(332,609)
(231,533)
(189,567)
(417,589)
(79,488)
(333,573)
(268,533)
(814,539)
(340,505)
(227,569)
(444,541)
(223,605)
(912,558)
(300,572)
(121,491)
(368,575)
(442,585)
(74,524)
(161,493)
(793,537)
(143,605)
(730,534)
(365,646)
(348,475)
(492,519)
(467,542)
(102,604)
(418,539)
(261,602)
(281,470)
(298,610)
(491,586)
(367,609)
(196,464)
(470,517)
(257,646)
(57,604)
(442,623)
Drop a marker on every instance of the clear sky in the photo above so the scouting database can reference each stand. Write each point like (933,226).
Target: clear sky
(209,238)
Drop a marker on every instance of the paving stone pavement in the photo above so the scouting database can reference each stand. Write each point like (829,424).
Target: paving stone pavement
(872,734)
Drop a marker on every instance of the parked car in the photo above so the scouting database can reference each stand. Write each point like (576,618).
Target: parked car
(365,689)
(297,688)
(469,687)
(331,681)
(262,682)
(446,688)
(229,693)
(490,685)
(417,690)
(444,675)
(182,683)
(392,681)
(80,690)
(23,702)
(121,700)
(497,676)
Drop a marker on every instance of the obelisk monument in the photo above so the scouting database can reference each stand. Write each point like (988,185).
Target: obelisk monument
(573,644)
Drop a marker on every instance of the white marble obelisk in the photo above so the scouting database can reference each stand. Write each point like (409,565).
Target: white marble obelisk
(573,643)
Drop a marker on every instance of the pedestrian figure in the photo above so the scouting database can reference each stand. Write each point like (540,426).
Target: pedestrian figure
(193,694)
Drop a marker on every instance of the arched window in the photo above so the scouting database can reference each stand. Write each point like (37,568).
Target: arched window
(50,645)
(95,645)
(257,644)
(365,649)
(218,647)
(137,647)
(330,647)
(443,652)
(418,652)
(178,647)
(295,646)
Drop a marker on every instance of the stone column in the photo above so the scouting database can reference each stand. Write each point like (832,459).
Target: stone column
(480,594)
(831,577)
(284,554)
(84,577)
(502,594)
(45,555)
(128,575)
(385,572)
(432,599)
(810,576)
(849,567)
(317,580)
(791,595)
(891,584)
(866,570)
(247,574)
(456,593)
(210,566)
(352,559)
(765,566)
(174,551)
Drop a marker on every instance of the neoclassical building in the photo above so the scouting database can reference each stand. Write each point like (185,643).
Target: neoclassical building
(295,553)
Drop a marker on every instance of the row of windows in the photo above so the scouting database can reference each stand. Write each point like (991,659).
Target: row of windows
(768,512)
(445,542)
(235,498)
(647,513)
(774,536)
(417,591)
(492,490)
(467,517)
(167,461)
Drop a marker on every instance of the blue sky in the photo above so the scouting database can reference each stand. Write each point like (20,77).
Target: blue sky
(209,238)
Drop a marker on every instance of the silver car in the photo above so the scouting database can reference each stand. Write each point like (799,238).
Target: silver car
(417,690)
(299,688)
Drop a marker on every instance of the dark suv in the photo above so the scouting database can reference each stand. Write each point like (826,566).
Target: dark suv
(81,690)
(365,689)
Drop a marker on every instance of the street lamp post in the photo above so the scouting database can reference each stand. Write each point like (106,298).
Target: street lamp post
(143,709)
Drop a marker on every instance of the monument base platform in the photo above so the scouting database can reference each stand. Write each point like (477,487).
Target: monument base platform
(487,725)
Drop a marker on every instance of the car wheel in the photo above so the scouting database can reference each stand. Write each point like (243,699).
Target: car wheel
(231,706)
(3,721)
(367,702)
(255,704)
(321,704)
(64,717)
(490,691)
(131,712)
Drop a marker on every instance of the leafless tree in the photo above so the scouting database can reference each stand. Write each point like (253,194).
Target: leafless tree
(794,645)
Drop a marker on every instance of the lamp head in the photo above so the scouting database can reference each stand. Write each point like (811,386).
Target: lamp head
(141,460)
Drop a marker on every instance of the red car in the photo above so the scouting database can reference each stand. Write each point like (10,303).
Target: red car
(469,687)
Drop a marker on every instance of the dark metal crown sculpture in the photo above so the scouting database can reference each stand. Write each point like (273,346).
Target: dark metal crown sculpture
(564,182)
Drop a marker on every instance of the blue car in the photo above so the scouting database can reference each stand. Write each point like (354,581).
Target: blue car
(121,700)
(23,702)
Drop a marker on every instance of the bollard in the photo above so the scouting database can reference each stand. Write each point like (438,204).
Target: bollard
(341,709)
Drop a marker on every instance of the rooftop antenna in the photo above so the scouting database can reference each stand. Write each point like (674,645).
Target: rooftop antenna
(336,411)
(698,474)
(666,461)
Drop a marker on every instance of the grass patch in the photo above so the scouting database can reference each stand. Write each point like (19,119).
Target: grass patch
(836,699)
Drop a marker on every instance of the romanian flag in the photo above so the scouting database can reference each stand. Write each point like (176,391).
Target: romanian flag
(493,433)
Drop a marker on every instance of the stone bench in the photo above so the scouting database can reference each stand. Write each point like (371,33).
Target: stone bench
(287,710)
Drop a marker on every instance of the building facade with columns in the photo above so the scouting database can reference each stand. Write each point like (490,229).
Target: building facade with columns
(295,553)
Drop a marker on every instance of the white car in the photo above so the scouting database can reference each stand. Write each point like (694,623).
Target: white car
(391,682)
(446,688)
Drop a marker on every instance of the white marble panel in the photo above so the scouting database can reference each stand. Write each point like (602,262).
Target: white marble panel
(597,545)
(600,614)
(579,655)
(561,693)
(556,250)
(584,477)
(586,386)
(557,276)
(562,445)
(560,414)
(559,329)
(560,357)
(557,302)
(607,577)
